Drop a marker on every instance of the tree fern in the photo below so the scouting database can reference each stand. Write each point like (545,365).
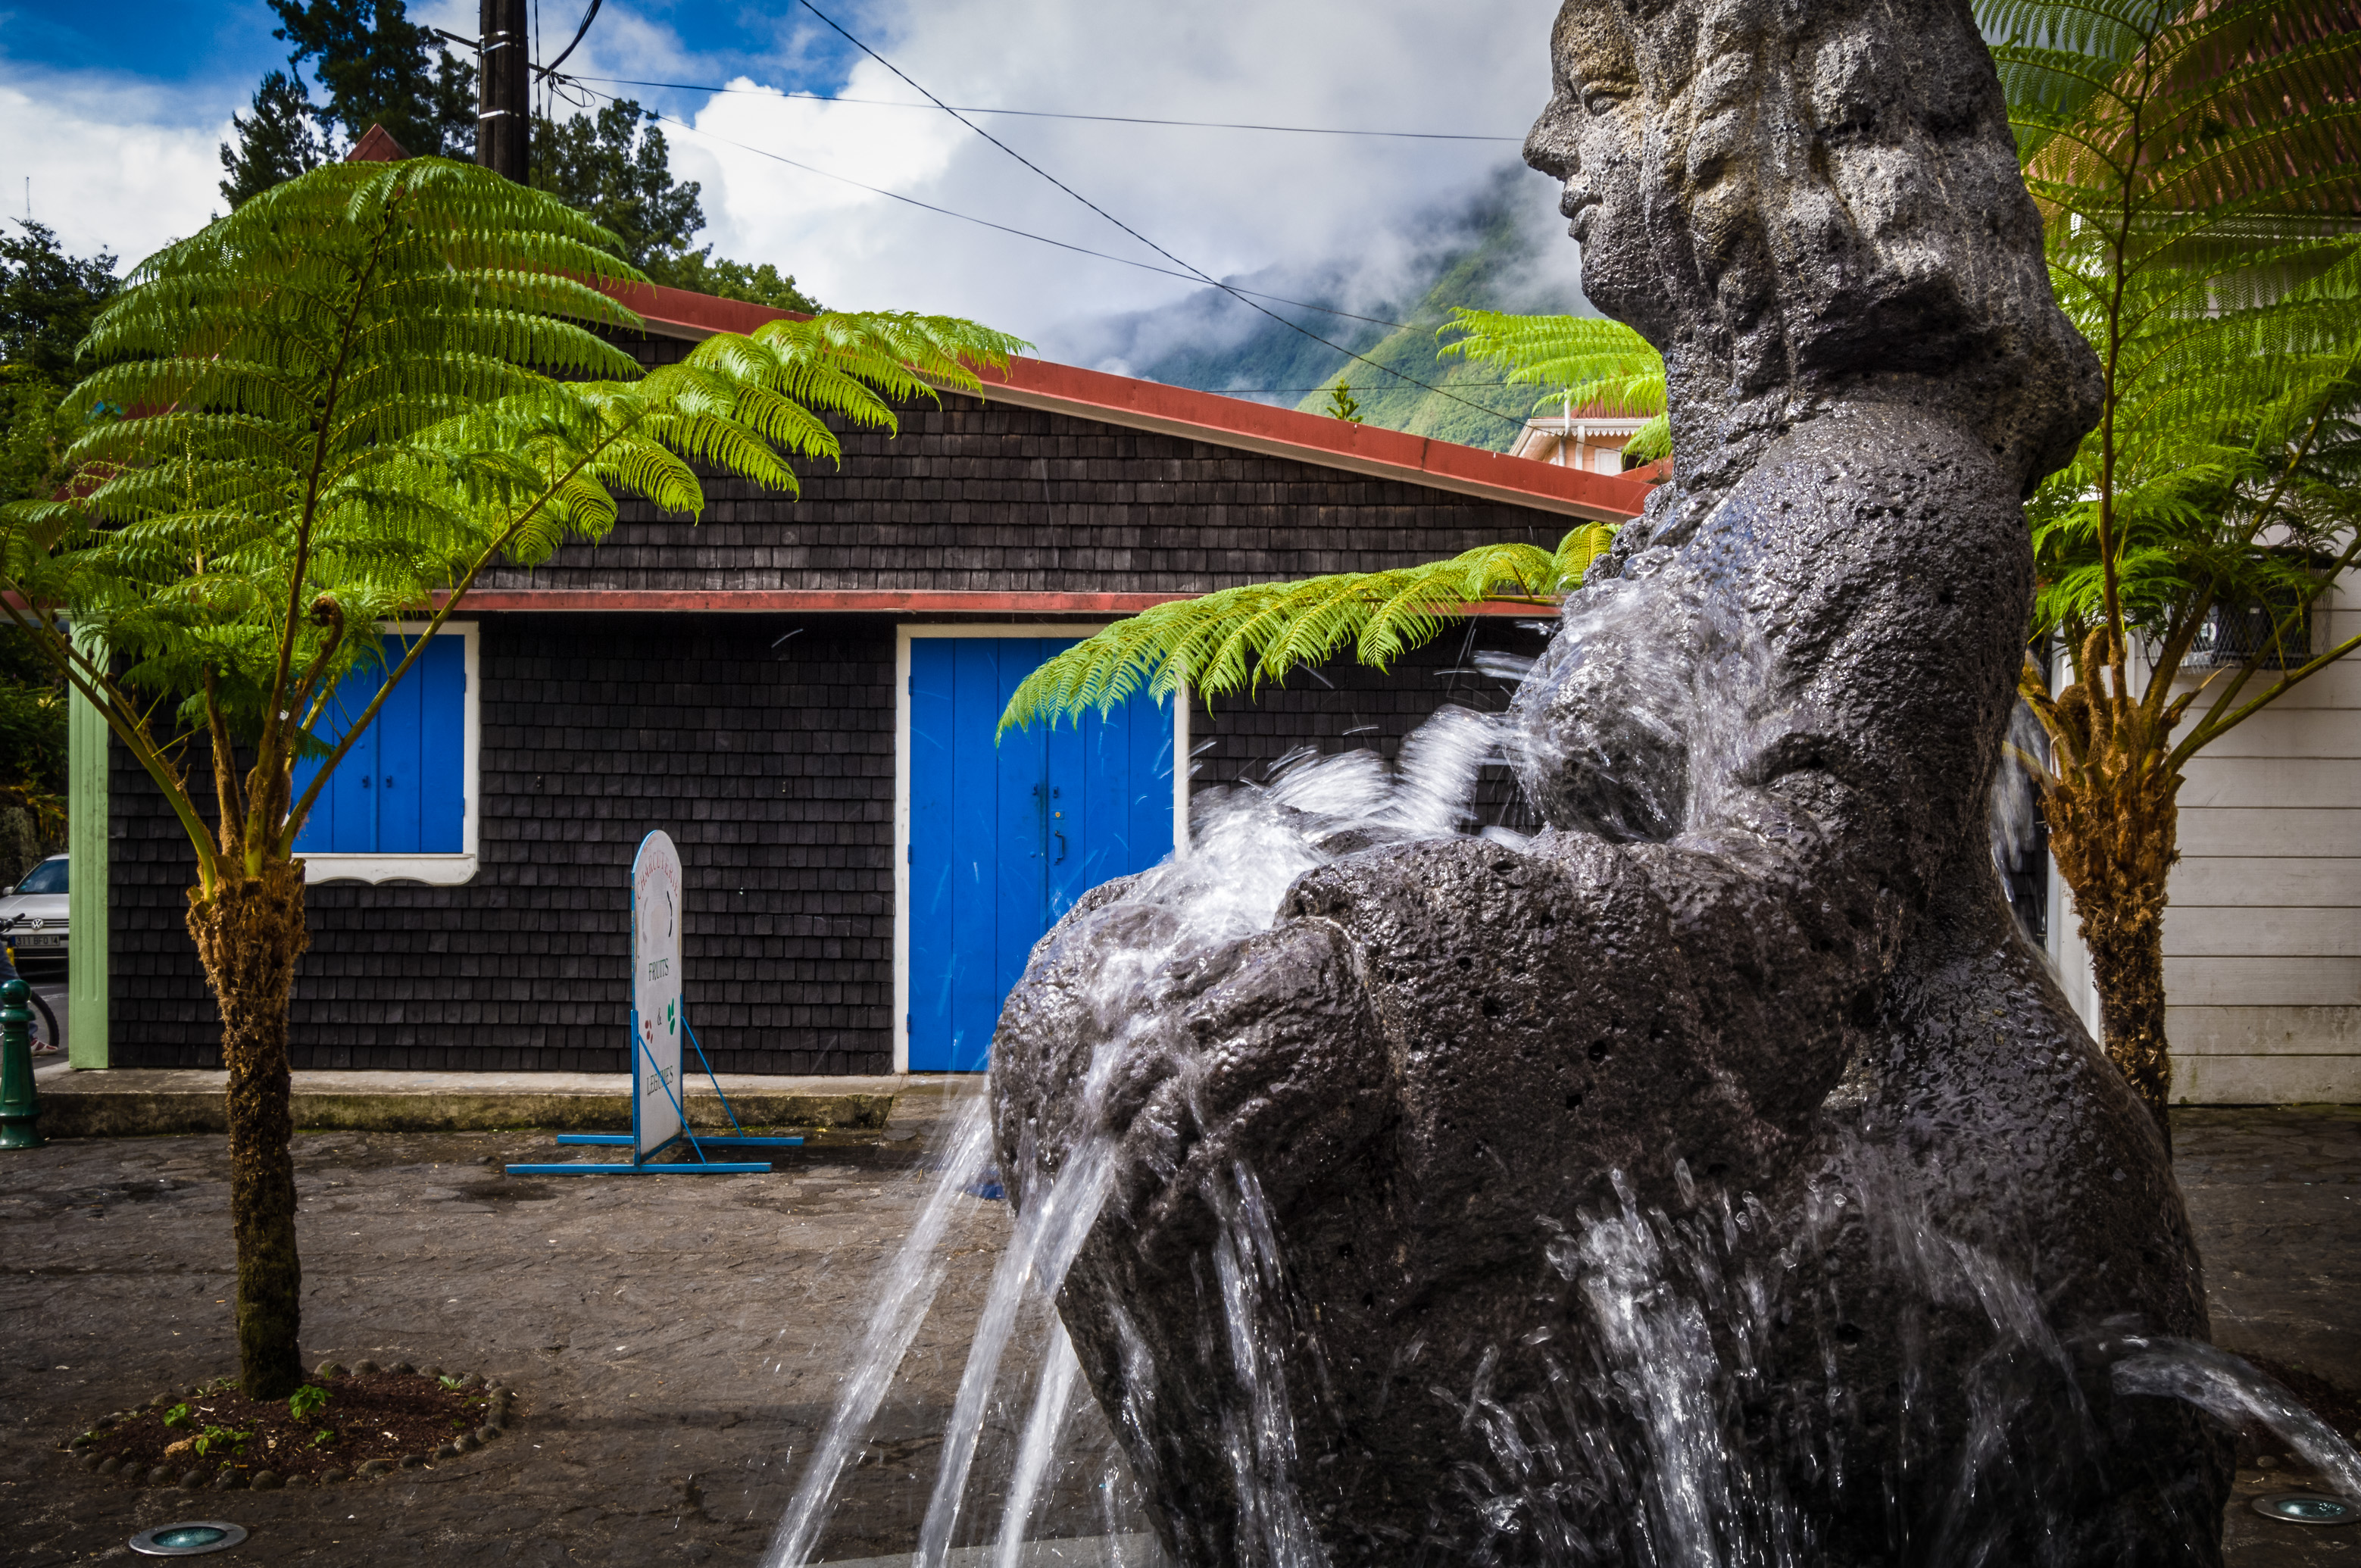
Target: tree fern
(1585,361)
(2195,167)
(1236,638)
(335,407)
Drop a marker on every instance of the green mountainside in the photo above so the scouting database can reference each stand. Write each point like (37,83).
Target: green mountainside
(1493,255)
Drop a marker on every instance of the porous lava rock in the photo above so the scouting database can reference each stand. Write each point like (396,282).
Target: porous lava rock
(1719,1171)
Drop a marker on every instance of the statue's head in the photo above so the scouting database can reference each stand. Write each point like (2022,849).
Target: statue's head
(1803,204)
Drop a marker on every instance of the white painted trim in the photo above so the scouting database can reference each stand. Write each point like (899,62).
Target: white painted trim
(902,846)
(438,870)
(903,635)
(1183,767)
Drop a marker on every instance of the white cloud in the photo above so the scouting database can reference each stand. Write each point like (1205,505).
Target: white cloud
(1228,201)
(115,164)
(130,164)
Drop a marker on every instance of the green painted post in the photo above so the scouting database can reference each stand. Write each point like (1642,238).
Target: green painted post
(86,841)
(20,1104)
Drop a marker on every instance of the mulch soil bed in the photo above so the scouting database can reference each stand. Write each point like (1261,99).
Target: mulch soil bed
(375,1419)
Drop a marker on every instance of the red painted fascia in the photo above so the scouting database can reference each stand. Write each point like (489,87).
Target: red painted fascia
(1219,421)
(695,314)
(849,601)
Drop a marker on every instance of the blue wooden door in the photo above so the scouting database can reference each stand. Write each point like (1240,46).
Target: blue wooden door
(401,789)
(1004,838)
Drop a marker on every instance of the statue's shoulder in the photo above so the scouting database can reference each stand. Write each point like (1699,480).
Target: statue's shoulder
(1863,473)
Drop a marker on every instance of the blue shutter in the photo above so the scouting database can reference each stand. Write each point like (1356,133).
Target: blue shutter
(1006,832)
(401,789)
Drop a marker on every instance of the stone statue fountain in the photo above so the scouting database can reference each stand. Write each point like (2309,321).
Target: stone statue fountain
(1714,1176)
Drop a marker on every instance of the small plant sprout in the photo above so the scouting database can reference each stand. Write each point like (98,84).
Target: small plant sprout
(306,1401)
(218,1436)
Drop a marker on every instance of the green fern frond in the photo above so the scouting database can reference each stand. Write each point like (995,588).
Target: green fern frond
(1587,362)
(1237,638)
(393,374)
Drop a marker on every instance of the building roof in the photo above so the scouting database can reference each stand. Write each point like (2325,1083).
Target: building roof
(1219,421)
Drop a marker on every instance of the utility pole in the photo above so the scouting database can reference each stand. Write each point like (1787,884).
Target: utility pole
(504,92)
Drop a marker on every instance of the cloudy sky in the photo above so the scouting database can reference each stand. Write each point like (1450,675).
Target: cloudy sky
(113,112)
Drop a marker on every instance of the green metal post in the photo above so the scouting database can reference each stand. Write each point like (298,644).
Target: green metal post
(21,1105)
(86,838)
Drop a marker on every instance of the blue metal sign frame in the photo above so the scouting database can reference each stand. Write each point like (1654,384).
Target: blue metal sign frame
(641,1163)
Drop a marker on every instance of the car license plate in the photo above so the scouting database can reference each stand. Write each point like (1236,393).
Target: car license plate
(37,940)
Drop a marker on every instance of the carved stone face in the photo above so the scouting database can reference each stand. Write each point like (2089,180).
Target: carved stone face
(1591,138)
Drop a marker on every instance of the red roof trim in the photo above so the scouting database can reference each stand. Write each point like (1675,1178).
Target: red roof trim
(690,314)
(867,601)
(1223,421)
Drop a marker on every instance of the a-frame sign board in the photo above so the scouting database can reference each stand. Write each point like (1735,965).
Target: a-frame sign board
(659,1119)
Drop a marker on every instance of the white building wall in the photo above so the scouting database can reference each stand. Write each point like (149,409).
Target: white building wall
(2262,939)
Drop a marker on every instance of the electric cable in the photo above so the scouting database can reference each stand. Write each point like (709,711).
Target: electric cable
(1050,114)
(1198,272)
(587,17)
(1191,276)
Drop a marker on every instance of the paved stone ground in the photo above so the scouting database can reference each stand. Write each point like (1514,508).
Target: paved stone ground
(2276,1198)
(677,1340)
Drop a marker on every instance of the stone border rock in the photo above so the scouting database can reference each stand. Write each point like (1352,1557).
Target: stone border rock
(226,1478)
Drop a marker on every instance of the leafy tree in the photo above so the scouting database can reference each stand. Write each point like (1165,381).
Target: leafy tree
(377,67)
(1342,404)
(32,755)
(48,300)
(352,395)
(277,144)
(702,273)
(617,168)
(2196,170)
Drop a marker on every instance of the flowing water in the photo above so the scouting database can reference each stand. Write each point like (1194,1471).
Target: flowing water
(1677,1316)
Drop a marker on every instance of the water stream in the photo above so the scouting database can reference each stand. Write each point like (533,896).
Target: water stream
(1677,1305)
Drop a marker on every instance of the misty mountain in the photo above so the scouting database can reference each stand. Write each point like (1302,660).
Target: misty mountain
(1505,249)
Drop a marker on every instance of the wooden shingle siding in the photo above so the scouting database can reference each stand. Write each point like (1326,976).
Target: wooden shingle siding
(975,496)
(774,773)
(772,762)
(2262,940)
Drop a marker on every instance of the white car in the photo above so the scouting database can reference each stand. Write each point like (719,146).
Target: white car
(33,912)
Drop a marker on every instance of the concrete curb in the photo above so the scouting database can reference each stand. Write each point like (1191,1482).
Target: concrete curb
(147,1113)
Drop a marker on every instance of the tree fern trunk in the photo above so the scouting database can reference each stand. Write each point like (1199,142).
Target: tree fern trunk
(2115,846)
(248,935)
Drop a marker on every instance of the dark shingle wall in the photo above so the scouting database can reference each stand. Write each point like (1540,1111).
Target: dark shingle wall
(774,771)
(976,497)
(772,766)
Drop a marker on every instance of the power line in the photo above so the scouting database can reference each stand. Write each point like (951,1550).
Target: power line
(1189,276)
(1051,114)
(1134,232)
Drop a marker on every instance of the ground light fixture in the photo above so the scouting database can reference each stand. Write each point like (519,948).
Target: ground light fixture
(2308,1508)
(193,1538)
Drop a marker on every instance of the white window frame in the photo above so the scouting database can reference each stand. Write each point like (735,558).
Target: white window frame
(903,636)
(437,871)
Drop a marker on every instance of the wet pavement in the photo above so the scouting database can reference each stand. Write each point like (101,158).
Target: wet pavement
(677,1340)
